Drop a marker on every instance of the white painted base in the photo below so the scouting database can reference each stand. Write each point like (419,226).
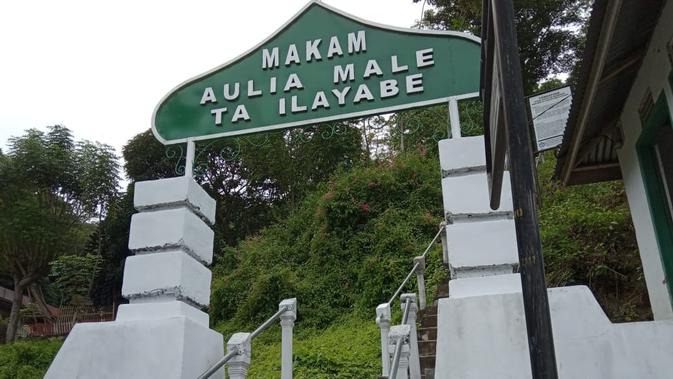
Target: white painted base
(484,318)
(160,311)
(174,348)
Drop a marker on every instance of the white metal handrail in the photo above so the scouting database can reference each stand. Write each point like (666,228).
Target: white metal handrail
(239,345)
(418,264)
(398,343)
(409,307)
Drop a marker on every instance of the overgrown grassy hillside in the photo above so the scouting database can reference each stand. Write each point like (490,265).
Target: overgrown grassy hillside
(588,238)
(343,251)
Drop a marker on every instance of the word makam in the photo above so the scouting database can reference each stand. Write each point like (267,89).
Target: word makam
(322,99)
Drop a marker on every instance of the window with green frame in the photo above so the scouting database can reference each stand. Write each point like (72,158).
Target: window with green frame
(655,153)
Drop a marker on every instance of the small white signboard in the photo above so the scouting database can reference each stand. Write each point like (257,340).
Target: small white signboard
(549,112)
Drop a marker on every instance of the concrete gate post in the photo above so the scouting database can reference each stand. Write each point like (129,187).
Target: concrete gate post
(162,332)
(383,317)
(287,319)
(238,365)
(401,333)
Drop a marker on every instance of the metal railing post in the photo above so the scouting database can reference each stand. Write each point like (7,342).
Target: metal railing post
(287,319)
(445,246)
(414,359)
(239,343)
(420,279)
(383,317)
(398,347)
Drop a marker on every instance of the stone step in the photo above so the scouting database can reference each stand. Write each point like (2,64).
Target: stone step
(443,289)
(429,310)
(427,333)
(427,362)
(427,347)
(429,320)
(428,373)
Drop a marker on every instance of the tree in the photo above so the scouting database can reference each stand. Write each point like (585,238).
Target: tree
(48,187)
(549,32)
(256,178)
(73,275)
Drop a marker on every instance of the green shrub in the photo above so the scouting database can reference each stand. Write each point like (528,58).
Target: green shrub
(27,359)
(345,249)
(348,349)
(588,238)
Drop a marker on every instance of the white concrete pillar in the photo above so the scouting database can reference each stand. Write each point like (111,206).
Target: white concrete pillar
(167,282)
(237,367)
(172,239)
(470,217)
(414,357)
(383,316)
(397,332)
(287,323)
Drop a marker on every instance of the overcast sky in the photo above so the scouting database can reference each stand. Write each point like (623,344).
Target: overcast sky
(100,68)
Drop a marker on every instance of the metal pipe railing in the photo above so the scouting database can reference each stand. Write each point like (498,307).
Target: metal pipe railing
(434,240)
(218,365)
(394,365)
(405,315)
(390,368)
(268,322)
(213,369)
(404,283)
(413,270)
(396,359)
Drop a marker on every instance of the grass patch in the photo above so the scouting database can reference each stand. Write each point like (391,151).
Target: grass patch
(28,359)
(347,349)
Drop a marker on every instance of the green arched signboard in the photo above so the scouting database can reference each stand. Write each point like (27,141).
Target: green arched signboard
(322,65)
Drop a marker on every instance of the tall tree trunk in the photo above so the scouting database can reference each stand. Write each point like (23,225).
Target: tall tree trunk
(37,297)
(13,323)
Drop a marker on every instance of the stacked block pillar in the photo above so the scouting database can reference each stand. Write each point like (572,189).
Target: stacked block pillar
(480,241)
(173,245)
(162,332)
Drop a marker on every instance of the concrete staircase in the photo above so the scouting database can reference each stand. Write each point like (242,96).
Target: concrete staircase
(427,333)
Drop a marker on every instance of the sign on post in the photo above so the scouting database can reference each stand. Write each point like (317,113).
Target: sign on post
(549,113)
(322,65)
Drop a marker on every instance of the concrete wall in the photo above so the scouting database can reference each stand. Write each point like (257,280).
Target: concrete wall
(653,76)
(482,334)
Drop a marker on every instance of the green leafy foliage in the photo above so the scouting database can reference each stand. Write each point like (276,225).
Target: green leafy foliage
(549,32)
(49,186)
(588,238)
(74,275)
(422,129)
(27,359)
(348,349)
(345,249)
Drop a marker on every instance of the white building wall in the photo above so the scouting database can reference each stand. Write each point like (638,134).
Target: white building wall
(653,75)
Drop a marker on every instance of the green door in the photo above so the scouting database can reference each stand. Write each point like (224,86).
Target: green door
(655,153)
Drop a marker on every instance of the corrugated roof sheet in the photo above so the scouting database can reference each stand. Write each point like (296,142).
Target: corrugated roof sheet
(597,153)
